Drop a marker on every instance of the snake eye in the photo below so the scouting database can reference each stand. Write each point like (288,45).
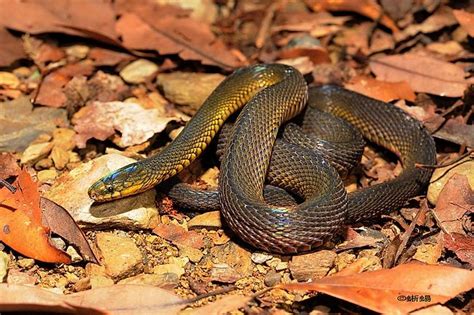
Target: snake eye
(110,189)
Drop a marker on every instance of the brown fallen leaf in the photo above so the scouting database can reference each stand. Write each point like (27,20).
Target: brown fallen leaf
(61,222)
(461,245)
(368,8)
(316,55)
(100,120)
(466,20)
(455,201)
(457,131)
(400,290)
(12,48)
(107,57)
(423,74)
(179,236)
(117,299)
(190,39)
(8,165)
(42,16)
(51,92)
(21,222)
(381,90)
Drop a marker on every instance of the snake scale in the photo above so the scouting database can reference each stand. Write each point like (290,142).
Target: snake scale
(269,95)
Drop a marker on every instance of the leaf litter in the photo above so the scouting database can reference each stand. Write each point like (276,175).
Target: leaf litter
(94,104)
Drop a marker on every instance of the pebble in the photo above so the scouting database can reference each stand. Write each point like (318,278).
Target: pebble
(194,254)
(60,157)
(235,256)
(272,278)
(4,261)
(189,90)
(260,258)
(223,273)
(442,175)
(82,284)
(210,219)
(72,252)
(77,51)
(100,282)
(9,80)
(47,176)
(36,152)
(138,71)
(312,266)
(26,263)
(120,256)
(166,280)
(169,269)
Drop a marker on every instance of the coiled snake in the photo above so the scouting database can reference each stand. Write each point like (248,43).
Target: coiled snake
(273,94)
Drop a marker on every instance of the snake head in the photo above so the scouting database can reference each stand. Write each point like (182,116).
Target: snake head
(126,181)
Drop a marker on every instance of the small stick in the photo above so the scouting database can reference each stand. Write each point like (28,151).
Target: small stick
(267,20)
(468,153)
(9,186)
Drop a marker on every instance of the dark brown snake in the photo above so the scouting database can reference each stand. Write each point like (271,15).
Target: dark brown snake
(273,94)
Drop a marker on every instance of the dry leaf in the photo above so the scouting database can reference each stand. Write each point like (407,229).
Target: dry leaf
(12,48)
(179,236)
(117,299)
(454,201)
(59,221)
(423,74)
(381,90)
(8,165)
(20,222)
(368,8)
(392,290)
(462,245)
(466,20)
(136,124)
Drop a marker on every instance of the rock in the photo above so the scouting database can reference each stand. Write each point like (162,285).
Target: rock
(194,254)
(77,51)
(47,176)
(138,71)
(272,278)
(4,261)
(17,277)
(20,124)
(188,90)
(165,280)
(276,263)
(26,263)
(36,152)
(75,257)
(312,266)
(100,281)
(169,269)
(224,273)
(82,284)
(70,191)
(9,80)
(60,157)
(234,256)
(210,219)
(442,175)
(64,138)
(120,256)
(260,258)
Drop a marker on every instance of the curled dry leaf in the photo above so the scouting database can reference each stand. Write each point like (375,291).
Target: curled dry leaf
(423,74)
(388,290)
(100,120)
(116,299)
(368,8)
(21,222)
(466,20)
(381,90)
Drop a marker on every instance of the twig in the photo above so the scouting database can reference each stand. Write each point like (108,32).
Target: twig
(469,153)
(9,186)
(267,20)
(406,236)
(213,293)
(438,221)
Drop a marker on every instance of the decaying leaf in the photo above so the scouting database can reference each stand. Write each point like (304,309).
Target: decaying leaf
(20,222)
(381,90)
(369,8)
(117,299)
(400,290)
(462,245)
(422,73)
(466,20)
(100,120)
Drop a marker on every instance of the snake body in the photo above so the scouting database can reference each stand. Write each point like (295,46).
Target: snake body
(272,95)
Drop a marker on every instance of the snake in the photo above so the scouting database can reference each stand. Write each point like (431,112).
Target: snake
(258,153)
